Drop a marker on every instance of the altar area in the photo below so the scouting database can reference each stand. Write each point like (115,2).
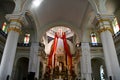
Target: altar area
(59,65)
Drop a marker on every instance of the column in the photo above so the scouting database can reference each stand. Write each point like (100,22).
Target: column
(85,61)
(38,67)
(33,60)
(105,30)
(10,49)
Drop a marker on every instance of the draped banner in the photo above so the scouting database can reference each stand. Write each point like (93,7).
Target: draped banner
(67,49)
(53,49)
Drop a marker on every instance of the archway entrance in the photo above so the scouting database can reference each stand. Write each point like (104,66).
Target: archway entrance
(21,70)
(98,69)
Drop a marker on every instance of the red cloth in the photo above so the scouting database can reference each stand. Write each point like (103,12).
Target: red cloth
(54,46)
(66,47)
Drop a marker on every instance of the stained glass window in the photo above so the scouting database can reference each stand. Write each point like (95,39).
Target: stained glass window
(93,38)
(4,27)
(26,38)
(115,25)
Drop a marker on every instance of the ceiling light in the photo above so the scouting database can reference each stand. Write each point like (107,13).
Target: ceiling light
(36,3)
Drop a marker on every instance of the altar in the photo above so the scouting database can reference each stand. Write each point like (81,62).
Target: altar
(59,61)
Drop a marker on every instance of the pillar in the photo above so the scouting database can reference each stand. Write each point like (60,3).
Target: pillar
(85,61)
(105,30)
(33,60)
(10,49)
(38,67)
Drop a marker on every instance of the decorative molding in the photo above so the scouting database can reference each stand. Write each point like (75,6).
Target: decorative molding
(105,29)
(102,20)
(14,29)
(20,18)
(16,20)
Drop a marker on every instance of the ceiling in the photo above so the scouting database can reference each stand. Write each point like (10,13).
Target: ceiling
(55,11)
(76,13)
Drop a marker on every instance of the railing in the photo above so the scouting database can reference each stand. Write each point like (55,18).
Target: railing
(91,44)
(23,45)
(29,44)
(95,44)
(3,33)
(116,37)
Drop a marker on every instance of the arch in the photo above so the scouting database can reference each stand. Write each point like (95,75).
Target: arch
(48,45)
(94,6)
(31,26)
(96,64)
(21,69)
(49,26)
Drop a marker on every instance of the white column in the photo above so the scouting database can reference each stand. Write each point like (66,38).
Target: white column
(85,61)
(10,50)
(106,55)
(38,67)
(110,55)
(33,58)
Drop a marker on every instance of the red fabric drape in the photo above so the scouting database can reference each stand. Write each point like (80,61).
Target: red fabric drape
(53,49)
(66,47)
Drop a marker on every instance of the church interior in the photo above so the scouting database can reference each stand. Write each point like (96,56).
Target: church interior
(59,40)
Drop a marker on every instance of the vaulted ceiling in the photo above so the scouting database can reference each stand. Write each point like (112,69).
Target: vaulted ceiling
(76,14)
(69,11)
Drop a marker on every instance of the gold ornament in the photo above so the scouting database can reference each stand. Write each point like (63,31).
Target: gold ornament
(14,29)
(16,20)
(102,20)
(105,29)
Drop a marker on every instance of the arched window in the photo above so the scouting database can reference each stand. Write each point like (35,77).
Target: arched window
(115,25)
(93,38)
(4,27)
(26,38)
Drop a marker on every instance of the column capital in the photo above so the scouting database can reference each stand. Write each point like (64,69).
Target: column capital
(103,22)
(101,18)
(20,18)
